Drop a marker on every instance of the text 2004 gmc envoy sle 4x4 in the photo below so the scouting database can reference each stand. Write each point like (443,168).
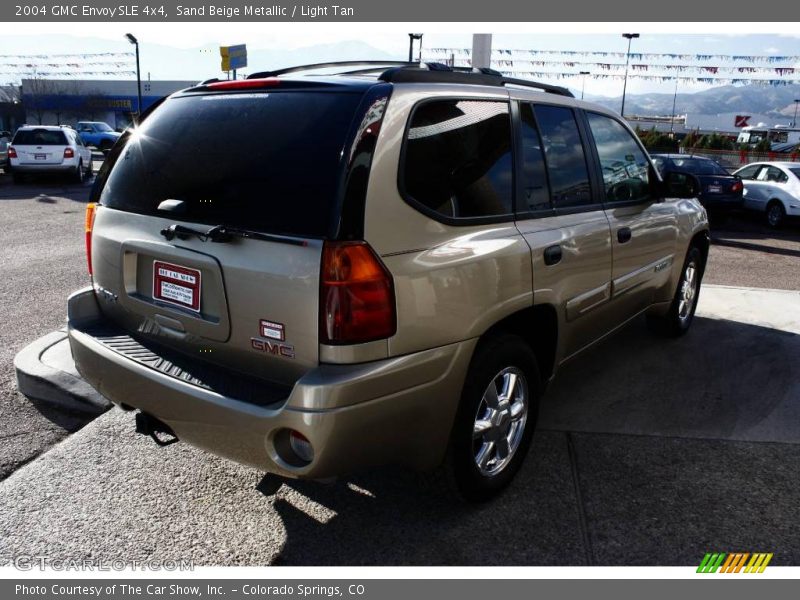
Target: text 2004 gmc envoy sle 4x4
(382,266)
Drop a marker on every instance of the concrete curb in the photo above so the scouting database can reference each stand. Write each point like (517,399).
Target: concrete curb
(46,372)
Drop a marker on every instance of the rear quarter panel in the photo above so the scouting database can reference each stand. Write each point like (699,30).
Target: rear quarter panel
(452,283)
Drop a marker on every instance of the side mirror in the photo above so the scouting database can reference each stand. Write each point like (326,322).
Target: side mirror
(677,184)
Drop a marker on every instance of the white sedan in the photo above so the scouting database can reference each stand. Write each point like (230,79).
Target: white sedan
(772,188)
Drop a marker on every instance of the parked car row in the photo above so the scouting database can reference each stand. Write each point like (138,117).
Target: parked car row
(771,188)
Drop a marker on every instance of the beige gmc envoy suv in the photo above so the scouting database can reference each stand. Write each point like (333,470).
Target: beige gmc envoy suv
(315,274)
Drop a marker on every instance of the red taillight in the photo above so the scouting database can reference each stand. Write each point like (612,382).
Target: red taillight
(243,84)
(12,153)
(356,295)
(737,185)
(69,153)
(91,208)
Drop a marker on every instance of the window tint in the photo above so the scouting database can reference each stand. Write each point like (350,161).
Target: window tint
(534,176)
(458,158)
(749,171)
(566,163)
(625,167)
(40,137)
(264,161)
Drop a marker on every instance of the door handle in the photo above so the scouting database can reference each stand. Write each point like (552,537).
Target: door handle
(624,235)
(552,255)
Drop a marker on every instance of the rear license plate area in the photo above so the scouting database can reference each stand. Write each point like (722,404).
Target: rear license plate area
(40,157)
(176,285)
(714,189)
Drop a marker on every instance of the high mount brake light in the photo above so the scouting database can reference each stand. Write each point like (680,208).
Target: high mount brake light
(244,84)
(357,301)
(91,209)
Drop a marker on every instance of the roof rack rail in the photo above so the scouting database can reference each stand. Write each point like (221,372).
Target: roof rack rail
(412,72)
(327,65)
(440,73)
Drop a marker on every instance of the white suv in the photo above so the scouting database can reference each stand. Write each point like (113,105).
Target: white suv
(48,149)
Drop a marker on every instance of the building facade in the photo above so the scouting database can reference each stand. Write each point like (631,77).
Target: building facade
(65,102)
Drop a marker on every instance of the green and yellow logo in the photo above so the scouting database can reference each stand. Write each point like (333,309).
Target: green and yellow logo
(734,562)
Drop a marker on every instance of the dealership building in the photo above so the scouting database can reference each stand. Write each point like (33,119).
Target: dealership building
(65,102)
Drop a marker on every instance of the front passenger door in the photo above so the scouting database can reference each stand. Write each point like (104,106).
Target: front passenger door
(644,230)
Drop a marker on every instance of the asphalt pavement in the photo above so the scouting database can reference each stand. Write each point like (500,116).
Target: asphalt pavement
(43,258)
(648,451)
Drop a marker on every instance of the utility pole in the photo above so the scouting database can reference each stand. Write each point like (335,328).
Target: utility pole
(629,36)
(481,50)
(794,121)
(411,38)
(583,82)
(135,42)
(672,119)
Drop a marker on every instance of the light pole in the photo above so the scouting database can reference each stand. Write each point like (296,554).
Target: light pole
(411,38)
(672,119)
(629,36)
(583,83)
(794,121)
(135,42)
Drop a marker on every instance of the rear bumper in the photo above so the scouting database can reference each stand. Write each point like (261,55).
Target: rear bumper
(393,411)
(34,168)
(722,202)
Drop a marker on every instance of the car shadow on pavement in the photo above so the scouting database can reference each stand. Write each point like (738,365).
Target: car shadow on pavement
(645,454)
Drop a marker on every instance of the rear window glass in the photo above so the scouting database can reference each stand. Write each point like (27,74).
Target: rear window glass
(263,161)
(699,167)
(40,137)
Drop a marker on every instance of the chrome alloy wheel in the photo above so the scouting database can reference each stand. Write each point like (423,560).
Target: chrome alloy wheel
(688,291)
(500,421)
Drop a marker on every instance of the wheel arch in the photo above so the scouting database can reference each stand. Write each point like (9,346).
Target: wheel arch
(538,326)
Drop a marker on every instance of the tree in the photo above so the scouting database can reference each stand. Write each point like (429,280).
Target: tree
(35,92)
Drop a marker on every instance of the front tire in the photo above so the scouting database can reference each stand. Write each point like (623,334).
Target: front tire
(496,418)
(684,304)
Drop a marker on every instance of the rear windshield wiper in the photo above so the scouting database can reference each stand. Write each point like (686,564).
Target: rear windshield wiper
(225,233)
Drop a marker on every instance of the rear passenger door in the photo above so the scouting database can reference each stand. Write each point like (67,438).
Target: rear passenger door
(563,221)
(644,229)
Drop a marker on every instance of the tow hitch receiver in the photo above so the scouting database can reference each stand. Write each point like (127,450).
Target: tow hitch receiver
(149,425)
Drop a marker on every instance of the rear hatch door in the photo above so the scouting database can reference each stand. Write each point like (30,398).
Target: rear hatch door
(40,146)
(266,164)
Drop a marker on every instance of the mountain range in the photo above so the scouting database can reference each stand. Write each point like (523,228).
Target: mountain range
(776,102)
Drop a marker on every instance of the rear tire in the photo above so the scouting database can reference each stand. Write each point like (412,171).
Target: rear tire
(79,174)
(684,304)
(496,418)
(776,214)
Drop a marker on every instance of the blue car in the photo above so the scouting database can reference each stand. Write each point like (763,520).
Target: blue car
(97,134)
(720,192)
